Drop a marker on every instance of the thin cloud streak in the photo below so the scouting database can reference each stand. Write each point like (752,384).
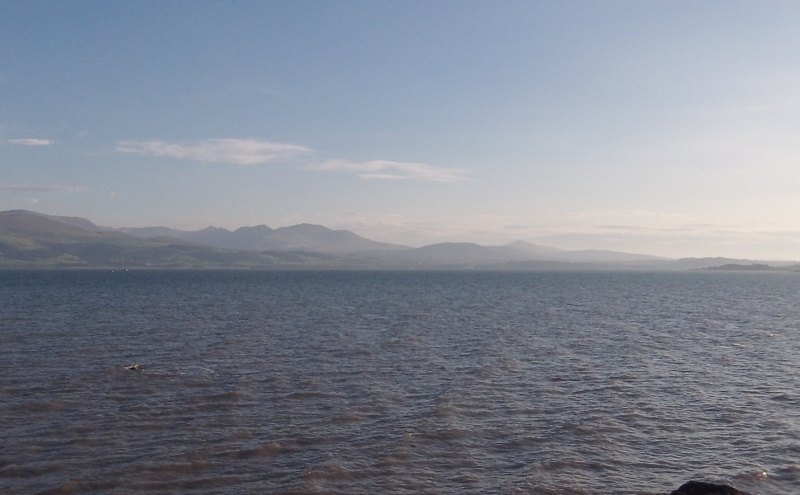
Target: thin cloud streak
(40,189)
(390,170)
(235,151)
(31,142)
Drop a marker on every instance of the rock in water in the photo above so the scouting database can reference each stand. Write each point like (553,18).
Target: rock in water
(703,488)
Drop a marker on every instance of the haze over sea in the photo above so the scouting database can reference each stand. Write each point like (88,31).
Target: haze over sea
(398,382)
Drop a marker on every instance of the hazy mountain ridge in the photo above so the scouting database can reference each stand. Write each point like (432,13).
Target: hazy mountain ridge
(303,237)
(37,241)
(82,223)
(584,255)
(30,239)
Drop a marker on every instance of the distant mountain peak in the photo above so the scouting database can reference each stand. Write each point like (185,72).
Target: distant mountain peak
(211,228)
(254,228)
(307,227)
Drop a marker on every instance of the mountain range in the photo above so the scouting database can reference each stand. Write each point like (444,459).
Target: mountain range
(29,239)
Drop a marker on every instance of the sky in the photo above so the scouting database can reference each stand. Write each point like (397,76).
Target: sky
(661,127)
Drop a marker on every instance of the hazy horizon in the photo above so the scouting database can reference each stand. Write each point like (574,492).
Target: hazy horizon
(540,243)
(662,128)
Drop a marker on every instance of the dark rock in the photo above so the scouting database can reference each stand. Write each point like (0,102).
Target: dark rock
(703,488)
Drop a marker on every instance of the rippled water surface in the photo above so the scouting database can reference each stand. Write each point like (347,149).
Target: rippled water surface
(397,382)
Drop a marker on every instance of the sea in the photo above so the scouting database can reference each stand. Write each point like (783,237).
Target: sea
(398,382)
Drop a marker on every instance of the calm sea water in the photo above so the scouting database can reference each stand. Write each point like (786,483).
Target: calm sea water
(398,382)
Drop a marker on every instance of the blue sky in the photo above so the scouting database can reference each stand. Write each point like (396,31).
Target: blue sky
(668,128)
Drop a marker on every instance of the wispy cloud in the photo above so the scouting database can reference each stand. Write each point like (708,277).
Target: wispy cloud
(40,189)
(236,151)
(389,170)
(31,142)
